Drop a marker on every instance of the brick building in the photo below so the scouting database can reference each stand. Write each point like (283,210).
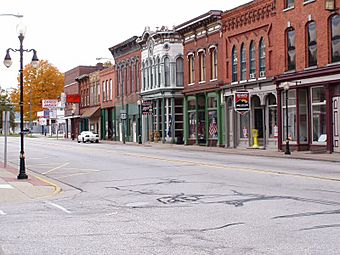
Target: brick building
(127,57)
(72,109)
(89,89)
(307,34)
(249,38)
(203,79)
(107,103)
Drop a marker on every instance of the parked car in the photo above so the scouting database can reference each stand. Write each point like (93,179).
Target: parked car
(88,136)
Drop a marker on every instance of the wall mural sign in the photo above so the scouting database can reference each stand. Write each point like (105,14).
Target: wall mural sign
(242,102)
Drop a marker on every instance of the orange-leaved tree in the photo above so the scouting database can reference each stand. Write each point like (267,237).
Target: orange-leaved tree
(45,82)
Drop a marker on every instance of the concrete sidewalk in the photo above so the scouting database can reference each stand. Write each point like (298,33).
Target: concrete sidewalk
(303,155)
(14,190)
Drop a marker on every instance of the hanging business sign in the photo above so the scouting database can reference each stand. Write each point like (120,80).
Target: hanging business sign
(73,98)
(49,103)
(242,102)
(147,108)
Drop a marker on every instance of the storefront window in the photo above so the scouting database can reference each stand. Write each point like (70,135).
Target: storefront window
(319,115)
(244,126)
(212,102)
(192,117)
(213,129)
(272,112)
(291,115)
(303,116)
(201,126)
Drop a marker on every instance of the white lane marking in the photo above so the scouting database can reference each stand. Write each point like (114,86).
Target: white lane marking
(59,207)
(56,168)
(2,212)
(6,186)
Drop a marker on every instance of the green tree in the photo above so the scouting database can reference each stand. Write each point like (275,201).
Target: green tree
(6,105)
(45,82)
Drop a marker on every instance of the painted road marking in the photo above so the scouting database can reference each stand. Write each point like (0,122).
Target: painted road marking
(6,186)
(56,168)
(2,213)
(59,207)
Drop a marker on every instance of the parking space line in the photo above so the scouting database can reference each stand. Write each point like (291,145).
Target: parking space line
(59,207)
(56,168)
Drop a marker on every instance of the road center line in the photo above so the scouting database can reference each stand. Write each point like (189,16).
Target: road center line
(59,207)
(56,168)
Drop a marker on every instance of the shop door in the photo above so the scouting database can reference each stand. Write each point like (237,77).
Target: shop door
(336,124)
(258,121)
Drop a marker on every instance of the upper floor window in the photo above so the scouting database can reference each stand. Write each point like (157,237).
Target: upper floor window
(159,71)
(191,69)
(213,63)
(201,57)
(179,72)
(311,44)
(144,78)
(335,37)
(243,63)
(262,56)
(110,89)
(147,74)
(289,3)
(151,74)
(234,64)
(104,91)
(291,50)
(167,71)
(252,60)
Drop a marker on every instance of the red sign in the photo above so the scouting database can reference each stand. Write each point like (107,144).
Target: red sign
(242,102)
(73,98)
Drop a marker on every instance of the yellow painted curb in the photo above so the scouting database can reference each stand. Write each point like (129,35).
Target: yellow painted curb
(57,189)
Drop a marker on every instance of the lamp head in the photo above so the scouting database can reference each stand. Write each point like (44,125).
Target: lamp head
(35,60)
(21,29)
(286,86)
(7,60)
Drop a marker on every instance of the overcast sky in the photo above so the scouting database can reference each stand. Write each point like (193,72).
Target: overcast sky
(69,33)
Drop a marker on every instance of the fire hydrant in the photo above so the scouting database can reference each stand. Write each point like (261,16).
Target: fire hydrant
(255,138)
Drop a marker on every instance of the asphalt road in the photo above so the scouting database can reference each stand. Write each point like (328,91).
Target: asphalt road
(143,200)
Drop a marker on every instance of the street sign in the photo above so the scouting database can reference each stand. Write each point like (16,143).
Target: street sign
(147,108)
(123,115)
(242,102)
(49,103)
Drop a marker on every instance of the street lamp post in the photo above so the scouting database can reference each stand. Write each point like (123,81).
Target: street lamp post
(139,102)
(21,29)
(286,88)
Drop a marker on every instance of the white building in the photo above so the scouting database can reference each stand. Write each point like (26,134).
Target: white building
(162,84)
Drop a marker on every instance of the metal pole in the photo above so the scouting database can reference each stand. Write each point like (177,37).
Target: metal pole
(5,149)
(287,152)
(139,123)
(123,121)
(22,170)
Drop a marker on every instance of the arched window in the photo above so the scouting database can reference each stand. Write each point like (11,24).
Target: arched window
(201,57)
(151,74)
(191,69)
(179,72)
(262,58)
(167,71)
(335,37)
(159,71)
(243,63)
(312,45)
(234,64)
(252,60)
(291,50)
(144,78)
(147,74)
(213,63)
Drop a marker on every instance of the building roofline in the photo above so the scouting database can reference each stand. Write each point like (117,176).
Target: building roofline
(209,14)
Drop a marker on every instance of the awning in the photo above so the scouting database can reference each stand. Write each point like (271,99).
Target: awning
(91,112)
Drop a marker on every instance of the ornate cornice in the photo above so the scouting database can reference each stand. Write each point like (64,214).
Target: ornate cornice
(250,15)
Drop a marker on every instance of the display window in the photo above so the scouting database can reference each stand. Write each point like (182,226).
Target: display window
(319,115)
